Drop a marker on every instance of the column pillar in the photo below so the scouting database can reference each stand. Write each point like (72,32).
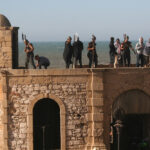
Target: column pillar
(4,109)
(96,113)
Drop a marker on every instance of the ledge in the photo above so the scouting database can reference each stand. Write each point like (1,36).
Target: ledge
(72,72)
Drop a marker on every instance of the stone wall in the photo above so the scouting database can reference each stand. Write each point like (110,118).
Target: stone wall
(23,90)
(73,97)
(87,96)
(1,117)
(117,82)
(8,47)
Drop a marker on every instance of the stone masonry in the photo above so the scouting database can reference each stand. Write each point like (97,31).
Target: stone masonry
(85,94)
(73,96)
(85,98)
(8,47)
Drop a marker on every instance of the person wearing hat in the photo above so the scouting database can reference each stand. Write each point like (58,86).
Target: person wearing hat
(92,55)
(67,54)
(29,54)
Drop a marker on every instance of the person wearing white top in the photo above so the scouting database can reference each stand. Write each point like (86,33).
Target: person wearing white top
(146,54)
(117,56)
(139,52)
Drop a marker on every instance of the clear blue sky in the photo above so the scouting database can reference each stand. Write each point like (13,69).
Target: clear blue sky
(54,20)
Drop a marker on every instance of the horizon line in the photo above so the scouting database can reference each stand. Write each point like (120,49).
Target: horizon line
(73,41)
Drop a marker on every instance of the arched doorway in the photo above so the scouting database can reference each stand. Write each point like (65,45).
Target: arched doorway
(135,121)
(46,125)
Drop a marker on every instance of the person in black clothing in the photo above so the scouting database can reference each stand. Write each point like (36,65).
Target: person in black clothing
(77,51)
(29,54)
(42,61)
(67,55)
(127,45)
(92,55)
(112,51)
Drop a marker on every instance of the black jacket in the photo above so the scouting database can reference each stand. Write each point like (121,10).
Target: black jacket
(112,48)
(67,55)
(77,49)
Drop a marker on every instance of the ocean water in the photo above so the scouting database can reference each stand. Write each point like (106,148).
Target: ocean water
(54,52)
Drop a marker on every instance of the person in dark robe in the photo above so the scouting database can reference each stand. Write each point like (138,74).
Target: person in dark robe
(67,55)
(92,55)
(77,51)
(112,51)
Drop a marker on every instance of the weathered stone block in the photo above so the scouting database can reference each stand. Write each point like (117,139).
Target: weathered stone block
(98,117)
(98,101)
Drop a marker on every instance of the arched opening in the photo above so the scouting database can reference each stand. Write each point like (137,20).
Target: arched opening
(46,125)
(132,109)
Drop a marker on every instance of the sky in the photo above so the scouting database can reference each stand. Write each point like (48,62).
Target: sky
(55,20)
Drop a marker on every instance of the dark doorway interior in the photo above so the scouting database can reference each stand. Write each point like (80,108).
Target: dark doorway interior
(134,134)
(46,125)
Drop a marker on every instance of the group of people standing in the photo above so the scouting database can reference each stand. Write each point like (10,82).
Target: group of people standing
(120,52)
(73,52)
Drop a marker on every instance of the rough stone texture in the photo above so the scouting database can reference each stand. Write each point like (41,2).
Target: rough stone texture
(8,47)
(85,98)
(73,95)
(1,117)
(88,97)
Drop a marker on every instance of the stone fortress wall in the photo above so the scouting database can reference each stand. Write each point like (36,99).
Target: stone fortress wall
(8,44)
(85,98)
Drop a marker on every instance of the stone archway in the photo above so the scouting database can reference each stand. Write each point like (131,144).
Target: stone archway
(46,125)
(136,119)
(62,120)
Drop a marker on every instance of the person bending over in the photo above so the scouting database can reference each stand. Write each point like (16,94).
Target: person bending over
(42,61)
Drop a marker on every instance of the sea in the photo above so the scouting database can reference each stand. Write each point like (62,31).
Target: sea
(54,52)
